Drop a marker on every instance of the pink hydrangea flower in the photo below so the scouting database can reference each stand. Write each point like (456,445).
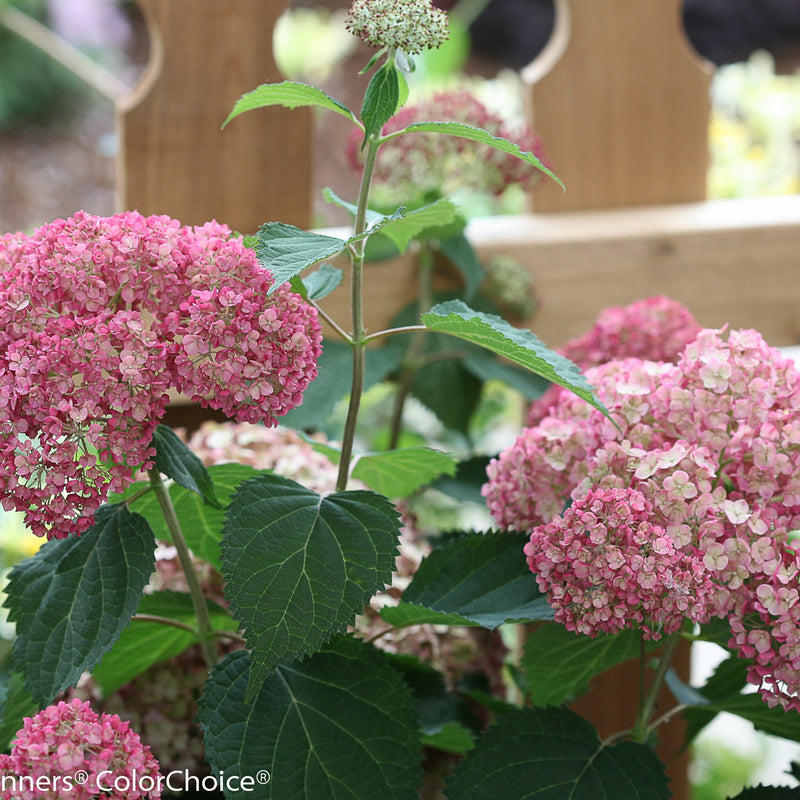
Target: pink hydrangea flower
(99,319)
(605,566)
(686,510)
(654,329)
(68,752)
(417,164)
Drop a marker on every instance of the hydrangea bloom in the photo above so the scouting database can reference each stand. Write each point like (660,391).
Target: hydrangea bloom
(409,25)
(656,329)
(414,165)
(606,565)
(99,318)
(685,511)
(63,739)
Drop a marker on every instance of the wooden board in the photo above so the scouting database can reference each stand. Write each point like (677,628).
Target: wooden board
(622,104)
(731,262)
(175,159)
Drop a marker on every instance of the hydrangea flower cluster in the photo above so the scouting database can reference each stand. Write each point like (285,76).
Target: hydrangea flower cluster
(656,328)
(685,511)
(408,25)
(412,166)
(67,738)
(99,319)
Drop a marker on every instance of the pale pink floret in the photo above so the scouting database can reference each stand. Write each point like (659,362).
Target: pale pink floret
(65,739)
(99,318)
(711,443)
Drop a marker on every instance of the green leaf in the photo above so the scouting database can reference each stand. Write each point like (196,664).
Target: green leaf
(73,599)
(300,566)
(322,282)
(381,99)
(406,614)
(339,724)
(447,388)
(446,720)
(716,631)
(404,90)
(477,135)
(18,703)
(441,383)
(772,721)
(483,578)
(334,377)
(684,693)
(395,473)
(487,367)
(723,690)
(459,252)
(286,250)
(372,217)
(290,95)
(579,658)
(452,737)
(175,460)
(402,231)
(519,346)
(768,793)
(553,753)
(145,643)
(399,473)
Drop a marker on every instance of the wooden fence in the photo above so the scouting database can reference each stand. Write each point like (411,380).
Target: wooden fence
(622,104)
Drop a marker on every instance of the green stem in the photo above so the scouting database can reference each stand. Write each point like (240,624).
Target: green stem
(641,728)
(204,628)
(393,332)
(357,313)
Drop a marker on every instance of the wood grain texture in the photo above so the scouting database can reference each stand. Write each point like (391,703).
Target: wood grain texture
(175,159)
(622,105)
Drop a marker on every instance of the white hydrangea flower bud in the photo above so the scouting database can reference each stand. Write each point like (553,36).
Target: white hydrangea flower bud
(408,25)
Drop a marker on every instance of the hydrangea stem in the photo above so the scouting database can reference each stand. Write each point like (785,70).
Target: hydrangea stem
(204,628)
(641,729)
(357,315)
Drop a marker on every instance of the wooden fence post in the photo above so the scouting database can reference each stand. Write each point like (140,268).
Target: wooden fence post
(622,105)
(174,159)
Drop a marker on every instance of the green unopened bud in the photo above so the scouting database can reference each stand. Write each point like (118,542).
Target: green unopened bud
(408,25)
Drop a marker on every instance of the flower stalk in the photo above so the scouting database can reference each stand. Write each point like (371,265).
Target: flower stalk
(358,339)
(204,629)
(642,728)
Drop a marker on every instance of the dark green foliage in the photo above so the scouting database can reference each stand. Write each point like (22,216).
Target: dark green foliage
(300,566)
(553,754)
(339,725)
(73,599)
